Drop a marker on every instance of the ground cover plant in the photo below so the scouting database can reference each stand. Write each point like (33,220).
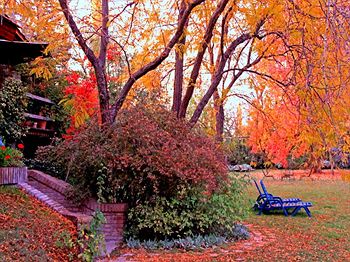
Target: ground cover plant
(29,231)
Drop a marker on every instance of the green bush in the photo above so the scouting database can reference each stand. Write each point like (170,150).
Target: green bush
(90,240)
(51,164)
(189,213)
(12,107)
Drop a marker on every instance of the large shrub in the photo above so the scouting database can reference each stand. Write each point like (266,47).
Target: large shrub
(12,107)
(147,152)
(174,178)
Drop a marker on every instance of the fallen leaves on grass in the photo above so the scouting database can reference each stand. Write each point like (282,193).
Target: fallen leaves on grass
(324,237)
(29,230)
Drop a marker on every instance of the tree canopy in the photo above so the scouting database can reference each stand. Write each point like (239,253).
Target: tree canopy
(193,55)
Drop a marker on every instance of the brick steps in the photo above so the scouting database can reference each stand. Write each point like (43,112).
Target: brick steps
(78,218)
(52,192)
(54,195)
(31,190)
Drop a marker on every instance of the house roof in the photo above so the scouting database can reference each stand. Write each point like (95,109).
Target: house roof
(16,52)
(9,30)
(14,47)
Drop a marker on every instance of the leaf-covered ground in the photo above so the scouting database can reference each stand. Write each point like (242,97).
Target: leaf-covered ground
(29,231)
(324,237)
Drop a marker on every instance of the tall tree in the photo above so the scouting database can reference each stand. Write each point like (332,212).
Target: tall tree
(108,112)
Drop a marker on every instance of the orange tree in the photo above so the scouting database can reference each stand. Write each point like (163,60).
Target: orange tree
(304,110)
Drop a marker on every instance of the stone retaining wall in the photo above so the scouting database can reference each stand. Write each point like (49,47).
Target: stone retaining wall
(52,182)
(115,215)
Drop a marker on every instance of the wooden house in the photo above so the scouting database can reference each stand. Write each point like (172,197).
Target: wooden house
(16,49)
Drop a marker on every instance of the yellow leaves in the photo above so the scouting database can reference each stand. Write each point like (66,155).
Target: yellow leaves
(165,36)
(108,23)
(81,115)
(41,21)
(40,69)
(151,80)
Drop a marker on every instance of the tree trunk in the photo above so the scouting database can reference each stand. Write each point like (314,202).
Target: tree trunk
(219,117)
(103,93)
(199,58)
(217,77)
(179,63)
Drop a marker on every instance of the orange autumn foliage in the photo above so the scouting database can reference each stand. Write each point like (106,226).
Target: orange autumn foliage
(300,104)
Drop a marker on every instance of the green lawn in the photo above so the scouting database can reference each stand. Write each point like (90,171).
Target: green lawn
(324,237)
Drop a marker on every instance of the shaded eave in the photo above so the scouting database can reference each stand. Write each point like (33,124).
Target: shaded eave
(12,29)
(16,52)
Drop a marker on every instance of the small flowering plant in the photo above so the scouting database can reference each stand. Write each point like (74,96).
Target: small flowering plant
(11,157)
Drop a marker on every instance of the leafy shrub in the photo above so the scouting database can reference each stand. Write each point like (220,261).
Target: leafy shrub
(146,153)
(167,218)
(189,213)
(90,240)
(51,164)
(47,166)
(174,178)
(12,108)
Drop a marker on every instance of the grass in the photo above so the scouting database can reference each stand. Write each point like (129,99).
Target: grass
(29,230)
(324,237)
